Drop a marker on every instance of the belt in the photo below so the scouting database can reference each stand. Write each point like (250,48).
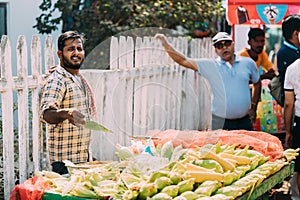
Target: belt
(238,119)
(296,119)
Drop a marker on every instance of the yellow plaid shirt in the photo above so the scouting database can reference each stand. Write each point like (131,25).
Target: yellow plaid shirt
(66,141)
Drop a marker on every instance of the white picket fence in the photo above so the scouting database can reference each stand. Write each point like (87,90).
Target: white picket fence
(143,91)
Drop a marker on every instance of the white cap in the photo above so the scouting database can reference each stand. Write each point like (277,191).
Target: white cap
(221,36)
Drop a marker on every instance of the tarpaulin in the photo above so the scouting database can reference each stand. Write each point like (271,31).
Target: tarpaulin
(253,12)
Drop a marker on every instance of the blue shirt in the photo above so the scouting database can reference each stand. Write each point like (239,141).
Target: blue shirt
(286,55)
(231,97)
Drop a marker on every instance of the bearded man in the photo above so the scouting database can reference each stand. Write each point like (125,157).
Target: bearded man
(67,102)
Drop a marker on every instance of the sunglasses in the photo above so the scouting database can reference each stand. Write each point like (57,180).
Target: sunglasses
(220,45)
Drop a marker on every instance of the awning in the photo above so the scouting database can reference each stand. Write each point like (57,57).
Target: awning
(256,12)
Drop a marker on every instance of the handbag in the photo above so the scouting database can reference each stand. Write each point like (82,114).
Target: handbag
(275,89)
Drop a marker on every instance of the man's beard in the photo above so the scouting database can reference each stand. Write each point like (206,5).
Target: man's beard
(68,64)
(258,50)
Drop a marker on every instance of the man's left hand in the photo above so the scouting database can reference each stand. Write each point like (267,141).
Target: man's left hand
(252,115)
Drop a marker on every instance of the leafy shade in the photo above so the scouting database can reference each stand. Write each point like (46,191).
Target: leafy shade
(101,19)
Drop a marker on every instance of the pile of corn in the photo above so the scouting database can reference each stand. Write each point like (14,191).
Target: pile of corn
(208,172)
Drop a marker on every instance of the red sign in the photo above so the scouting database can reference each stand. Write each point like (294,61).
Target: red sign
(260,12)
(263,2)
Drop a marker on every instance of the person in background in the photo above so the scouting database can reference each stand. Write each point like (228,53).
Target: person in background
(289,51)
(292,111)
(256,41)
(229,76)
(67,102)
(286,55)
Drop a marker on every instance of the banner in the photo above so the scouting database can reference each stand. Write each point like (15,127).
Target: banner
(260,12)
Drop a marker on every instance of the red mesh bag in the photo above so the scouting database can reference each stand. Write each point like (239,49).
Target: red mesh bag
(31,189)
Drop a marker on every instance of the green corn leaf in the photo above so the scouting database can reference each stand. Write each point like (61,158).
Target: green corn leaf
(92,125)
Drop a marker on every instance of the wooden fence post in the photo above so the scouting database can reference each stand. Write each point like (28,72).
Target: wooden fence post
(36,68)
(23,125)
(114,53)
(7,116)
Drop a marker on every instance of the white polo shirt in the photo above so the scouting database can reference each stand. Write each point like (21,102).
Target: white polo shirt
(292,82)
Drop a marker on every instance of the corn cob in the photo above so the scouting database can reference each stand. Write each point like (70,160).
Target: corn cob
(192,167)
(200,177)
(241,160)
(186,185)
(227,166)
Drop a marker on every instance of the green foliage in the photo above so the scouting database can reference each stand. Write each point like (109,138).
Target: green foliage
(101,19)
(45,22)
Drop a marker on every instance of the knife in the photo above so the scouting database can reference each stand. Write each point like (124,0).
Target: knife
(92,125)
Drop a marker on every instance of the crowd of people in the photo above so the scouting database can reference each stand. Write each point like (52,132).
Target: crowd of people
(287,63)
(67,101)
(230,73)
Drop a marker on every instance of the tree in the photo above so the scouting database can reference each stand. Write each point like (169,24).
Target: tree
(101,19)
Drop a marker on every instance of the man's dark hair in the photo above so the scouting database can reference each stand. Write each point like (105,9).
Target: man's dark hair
(254,32)
(290,24)
(69,35)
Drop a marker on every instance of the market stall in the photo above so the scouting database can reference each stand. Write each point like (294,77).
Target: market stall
(175,164)
(260,191)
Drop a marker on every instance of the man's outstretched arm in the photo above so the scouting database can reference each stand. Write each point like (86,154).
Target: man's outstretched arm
(175,55)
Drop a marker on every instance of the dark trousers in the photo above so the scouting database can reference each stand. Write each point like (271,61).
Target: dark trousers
(296,140)
(232,124)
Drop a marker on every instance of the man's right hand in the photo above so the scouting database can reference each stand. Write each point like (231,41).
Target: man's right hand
(159,36)
(288,140)
(162,38)
(54,116)
(176,55)
(76,118)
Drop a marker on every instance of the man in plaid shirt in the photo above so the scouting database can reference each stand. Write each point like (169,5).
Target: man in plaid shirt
(66,104)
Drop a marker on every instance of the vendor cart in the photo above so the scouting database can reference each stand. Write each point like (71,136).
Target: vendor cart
(203,170)
(260,192)
(269,183)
